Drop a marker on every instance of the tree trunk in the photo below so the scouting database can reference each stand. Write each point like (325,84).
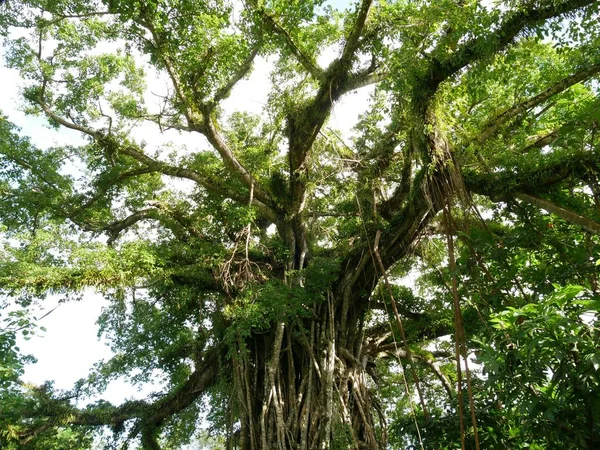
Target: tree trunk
(305,384)
(299,388)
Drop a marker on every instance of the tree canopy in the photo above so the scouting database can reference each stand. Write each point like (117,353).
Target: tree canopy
(427,281)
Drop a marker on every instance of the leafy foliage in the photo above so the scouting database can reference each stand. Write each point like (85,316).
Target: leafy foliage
(298,287)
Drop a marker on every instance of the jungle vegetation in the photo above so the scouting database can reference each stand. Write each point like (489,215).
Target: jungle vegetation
(428,281)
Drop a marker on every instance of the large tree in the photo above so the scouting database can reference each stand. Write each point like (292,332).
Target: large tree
(261,269)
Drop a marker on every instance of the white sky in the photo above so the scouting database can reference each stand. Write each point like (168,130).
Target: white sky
(70,346)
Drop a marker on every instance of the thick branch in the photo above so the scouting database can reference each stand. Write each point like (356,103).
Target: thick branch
(167,169)
(305,123)
(171,219)
(153,414)
(198,382)
(100,191)
(180,172)
(397,241)
(231,162)
(480,47)
(207,127)
(364,79)
(115,228)
(225,90)
(542,141)
(504,184)
(353,39)
(261,199)
(569,216)
(304,60)
(492,126)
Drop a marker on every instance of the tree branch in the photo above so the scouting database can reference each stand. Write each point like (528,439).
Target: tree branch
(353,39)
(502,185)
(541,141)
(260,195)
(405,226)
(492,126)
(115,228)
(569,216)
(158,211)
(61,17)
(65,123)
(200,120)
(180,172)
(168,64)
(100,191)
(262,201)
(148,415)
(364,79)
(305,61)
(480,47)
(225,90)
